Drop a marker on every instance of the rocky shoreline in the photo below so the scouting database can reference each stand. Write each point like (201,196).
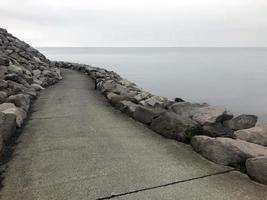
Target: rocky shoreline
(23,73)
(211,130)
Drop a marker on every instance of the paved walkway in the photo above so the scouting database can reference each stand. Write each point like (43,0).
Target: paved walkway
(76,147)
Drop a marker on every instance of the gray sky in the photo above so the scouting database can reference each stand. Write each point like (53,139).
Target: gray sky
(137,22)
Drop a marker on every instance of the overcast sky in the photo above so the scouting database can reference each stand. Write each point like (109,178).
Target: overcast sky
(137,22)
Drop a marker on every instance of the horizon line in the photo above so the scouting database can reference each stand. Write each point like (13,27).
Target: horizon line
(150,46)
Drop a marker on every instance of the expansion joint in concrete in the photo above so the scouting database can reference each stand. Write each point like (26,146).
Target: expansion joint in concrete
(163,185)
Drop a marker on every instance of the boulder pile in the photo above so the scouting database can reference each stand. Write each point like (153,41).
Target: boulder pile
(211,130)
(23,72)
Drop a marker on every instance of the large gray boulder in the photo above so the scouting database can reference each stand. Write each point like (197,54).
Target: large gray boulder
(257,135)
(242,122)
(186,109)
(211,115)
(173,126)
(10,108)
(20,100)
(146,115)
(7,125)
(217,130)
(257,169)
(226,151)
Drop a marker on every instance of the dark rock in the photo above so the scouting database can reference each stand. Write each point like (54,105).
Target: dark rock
(241,122)
(257,169)
(3,72)
(173,126)
(226,151)
(257,135)
(3,96)
(4,61)
(217,130)
(7,125)
(146,115)
(178,100)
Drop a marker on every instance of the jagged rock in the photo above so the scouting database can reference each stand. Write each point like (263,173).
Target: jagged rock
(257,135)
(176,127)
(141,96)
(226,151)
(241,122)
(146,115)
(217,130)
(154,101)
(7,125)
(257,169)
(210,115)
(186,109)
(127,107)
(20,100)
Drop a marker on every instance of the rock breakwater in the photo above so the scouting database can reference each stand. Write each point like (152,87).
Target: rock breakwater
(23,72)
(212,131)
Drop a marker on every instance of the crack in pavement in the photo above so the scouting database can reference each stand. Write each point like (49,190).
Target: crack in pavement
(163,185)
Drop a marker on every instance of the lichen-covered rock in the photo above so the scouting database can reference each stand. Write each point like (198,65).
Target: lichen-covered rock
(226,151)
(257,169)
(257,135)
(242,122)
(211,115)
(173,126)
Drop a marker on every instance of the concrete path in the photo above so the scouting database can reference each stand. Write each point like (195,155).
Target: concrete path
(76,147)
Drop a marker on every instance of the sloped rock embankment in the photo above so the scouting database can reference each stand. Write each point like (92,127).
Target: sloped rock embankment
(23,72)
(211,130)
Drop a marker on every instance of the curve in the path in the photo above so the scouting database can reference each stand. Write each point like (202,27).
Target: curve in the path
(75,146)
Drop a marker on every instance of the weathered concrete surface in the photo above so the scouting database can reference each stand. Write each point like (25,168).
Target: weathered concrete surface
(75,146)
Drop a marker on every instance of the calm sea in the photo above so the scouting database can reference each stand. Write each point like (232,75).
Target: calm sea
(233,77)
